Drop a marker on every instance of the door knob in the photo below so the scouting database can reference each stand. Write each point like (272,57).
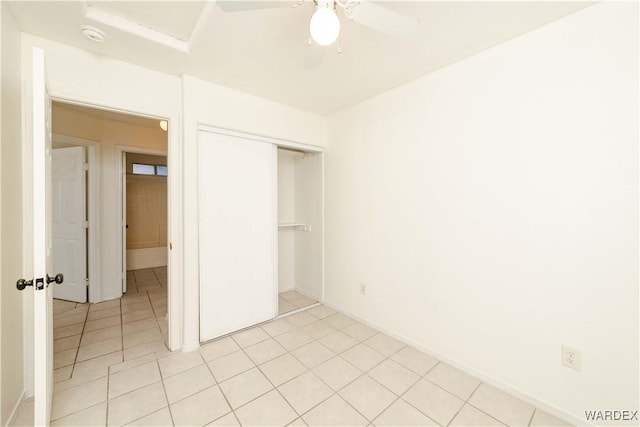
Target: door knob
(21,284)
(58,278)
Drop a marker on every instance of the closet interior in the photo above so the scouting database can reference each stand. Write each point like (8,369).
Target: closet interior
(299,229)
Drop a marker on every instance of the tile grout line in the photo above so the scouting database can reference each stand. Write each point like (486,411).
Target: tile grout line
(106,415)
(382,361)
(424,377)
(75,359)
(334,392)
(482,410)
(164,389)
(398,396)
(290,352)
(532,415)
(268,379)
(217,384)
(121,358)
(366,373)
(274,387)
(466,402)
(121,331)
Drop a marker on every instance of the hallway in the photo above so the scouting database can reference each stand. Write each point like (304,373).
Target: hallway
(90,337)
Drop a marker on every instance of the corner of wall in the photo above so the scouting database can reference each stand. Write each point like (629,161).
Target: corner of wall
(11,313)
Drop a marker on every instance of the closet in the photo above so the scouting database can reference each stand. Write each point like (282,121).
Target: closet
(260,229)
(299,229)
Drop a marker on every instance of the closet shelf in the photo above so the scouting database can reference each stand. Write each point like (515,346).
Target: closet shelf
(299,225)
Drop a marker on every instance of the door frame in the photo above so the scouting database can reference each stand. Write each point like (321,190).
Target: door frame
(174,200)
(93,211)
(121,249)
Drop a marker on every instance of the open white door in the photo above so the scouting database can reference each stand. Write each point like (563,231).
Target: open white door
(237,229)
(69,220)
(42,295)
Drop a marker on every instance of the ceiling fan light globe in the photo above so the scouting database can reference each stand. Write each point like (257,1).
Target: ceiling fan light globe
(324,26)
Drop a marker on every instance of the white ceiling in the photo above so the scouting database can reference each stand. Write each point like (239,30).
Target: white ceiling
(261,52)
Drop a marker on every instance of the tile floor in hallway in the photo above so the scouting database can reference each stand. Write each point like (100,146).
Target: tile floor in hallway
(293,300)
(316,367)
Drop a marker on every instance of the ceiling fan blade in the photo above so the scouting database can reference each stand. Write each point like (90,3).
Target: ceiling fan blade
(382,19)
(313,56)
(243,6)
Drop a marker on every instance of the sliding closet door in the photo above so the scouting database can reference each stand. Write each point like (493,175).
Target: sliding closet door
(237,197)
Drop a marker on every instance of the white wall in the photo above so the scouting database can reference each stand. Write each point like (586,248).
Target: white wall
(308,208)
(146,258)
(209,104)
(80,76)
(491,208)
(11,335)
(286,214)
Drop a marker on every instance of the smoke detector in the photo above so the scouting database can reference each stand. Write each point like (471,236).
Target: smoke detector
(92,33)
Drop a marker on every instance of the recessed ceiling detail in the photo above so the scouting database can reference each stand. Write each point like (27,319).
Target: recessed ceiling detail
(176,19)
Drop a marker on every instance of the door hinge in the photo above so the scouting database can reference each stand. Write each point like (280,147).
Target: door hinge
(85,224)
(86,282)
(85,166)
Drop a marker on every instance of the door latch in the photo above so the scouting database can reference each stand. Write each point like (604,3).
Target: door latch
(39,282)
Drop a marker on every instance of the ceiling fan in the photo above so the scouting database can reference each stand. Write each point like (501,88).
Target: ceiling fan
(324,26)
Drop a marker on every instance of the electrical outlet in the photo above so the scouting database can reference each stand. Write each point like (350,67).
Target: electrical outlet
(363,289)
(571,358)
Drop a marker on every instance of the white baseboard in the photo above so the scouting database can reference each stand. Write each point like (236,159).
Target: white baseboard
(287,289)
(14,412)
(296,311)
(146,258)
(306,294)
(483,376)
(188,348)
(301,291)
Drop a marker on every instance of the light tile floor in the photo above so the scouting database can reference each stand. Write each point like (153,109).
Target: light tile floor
(293,300)
(315,367)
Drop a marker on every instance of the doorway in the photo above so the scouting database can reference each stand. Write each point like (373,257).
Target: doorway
(123,324)
(144,208)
